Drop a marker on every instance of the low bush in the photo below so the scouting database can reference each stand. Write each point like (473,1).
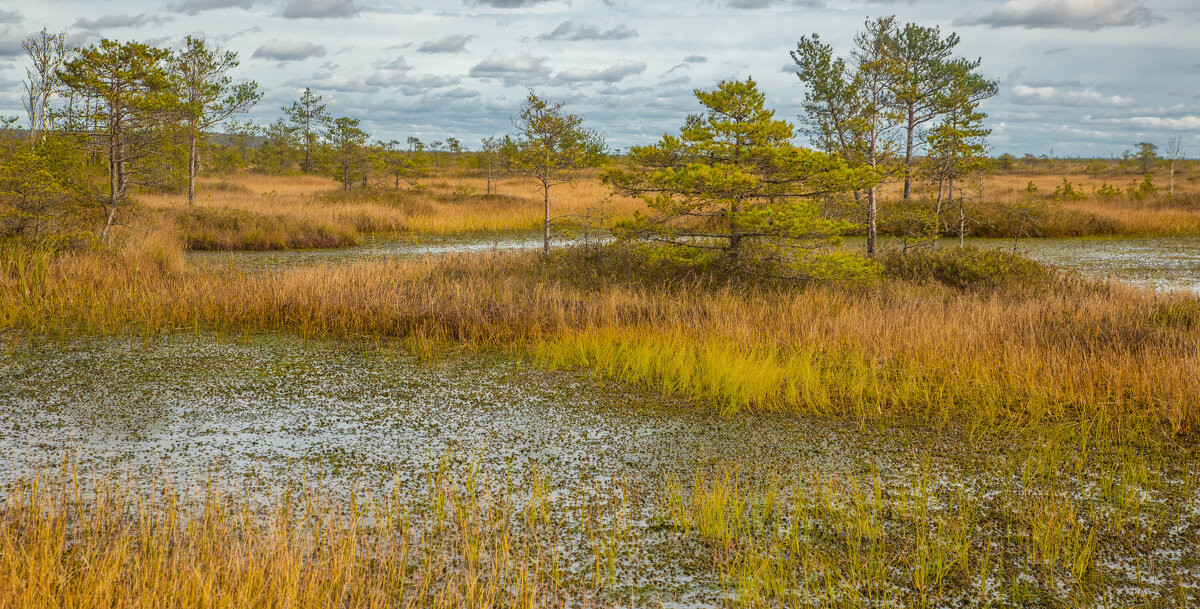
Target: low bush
(207,228)
(965,267)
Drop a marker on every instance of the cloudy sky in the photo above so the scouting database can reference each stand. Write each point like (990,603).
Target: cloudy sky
(1077,77)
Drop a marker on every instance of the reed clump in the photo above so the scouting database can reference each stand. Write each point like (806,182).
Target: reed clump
(214,228)
(460,538)
(930,538)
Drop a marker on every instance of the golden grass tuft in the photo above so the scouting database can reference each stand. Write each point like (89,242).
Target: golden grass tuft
(458,540)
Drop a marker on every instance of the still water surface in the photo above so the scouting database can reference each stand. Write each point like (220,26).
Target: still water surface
(1165,263)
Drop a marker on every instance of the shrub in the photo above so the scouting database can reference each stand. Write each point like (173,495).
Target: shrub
(966,267)
(1139,192)
(1067,192)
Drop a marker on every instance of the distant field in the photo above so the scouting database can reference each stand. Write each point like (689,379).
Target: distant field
(254,211)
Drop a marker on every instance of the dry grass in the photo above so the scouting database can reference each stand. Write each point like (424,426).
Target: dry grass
(459,541)
(1091,214)
(1115,360)
(251,211)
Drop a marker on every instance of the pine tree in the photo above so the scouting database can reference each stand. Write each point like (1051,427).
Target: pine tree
(347,140)
(924,75)
(551,146)
(307,115)
(731,187)
(209,96)
(129,98)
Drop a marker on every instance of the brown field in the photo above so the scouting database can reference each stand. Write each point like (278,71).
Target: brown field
(254,211)
(283,212)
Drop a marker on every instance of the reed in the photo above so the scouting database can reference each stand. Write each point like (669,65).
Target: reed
(1123,361)
(459,539)
(806,537)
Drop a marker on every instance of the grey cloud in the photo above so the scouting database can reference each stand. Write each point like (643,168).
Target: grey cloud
(119,21)
(329,82)
(320,9)
(11,37)
(757,4)
(570,30)
(695,59)
(1087,15)
(398,63)
(458,93)
(396,74)
(624,92)
(10,16)
(453,43)
(790,67)
(516,67)
(411,84)
(509,3)
(615,73)
(238,34)
(192,7)
(288,50)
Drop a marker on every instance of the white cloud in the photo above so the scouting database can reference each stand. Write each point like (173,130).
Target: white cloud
(1025,94)
(1158,122)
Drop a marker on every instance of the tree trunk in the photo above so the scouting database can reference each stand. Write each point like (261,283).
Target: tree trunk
(1172,191)
(115,166)
(192,169)
(937,210)
(735,238)
(546,222)
(962,214)
(871,216)
(307,152)
(346,178)
(908,153)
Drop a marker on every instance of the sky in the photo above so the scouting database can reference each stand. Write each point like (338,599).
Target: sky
(1076,77)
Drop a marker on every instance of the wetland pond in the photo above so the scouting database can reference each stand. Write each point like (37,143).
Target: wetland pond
(266,410)
(1165,263)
